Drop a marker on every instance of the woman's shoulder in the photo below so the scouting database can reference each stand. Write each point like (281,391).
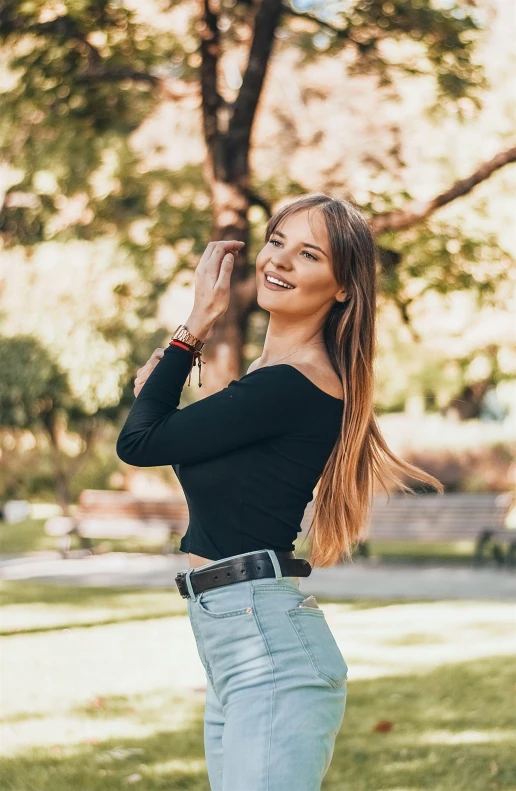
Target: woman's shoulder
(253,366)
(320,375)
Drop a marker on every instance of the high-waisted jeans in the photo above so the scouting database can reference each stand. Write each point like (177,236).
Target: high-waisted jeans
(276,684)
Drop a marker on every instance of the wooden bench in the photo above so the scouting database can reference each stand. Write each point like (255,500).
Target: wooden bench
(446,518)
(420,518)
(118,514)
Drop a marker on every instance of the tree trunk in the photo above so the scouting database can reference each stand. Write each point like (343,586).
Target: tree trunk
(61,473)
(227,131)
(224,351)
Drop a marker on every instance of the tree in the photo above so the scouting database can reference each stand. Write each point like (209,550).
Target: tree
(35,396)
(83,77)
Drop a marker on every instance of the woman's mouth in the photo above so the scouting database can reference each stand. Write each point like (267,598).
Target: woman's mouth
(275,284)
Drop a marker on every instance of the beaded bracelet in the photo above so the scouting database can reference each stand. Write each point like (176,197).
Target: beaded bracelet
(196,356)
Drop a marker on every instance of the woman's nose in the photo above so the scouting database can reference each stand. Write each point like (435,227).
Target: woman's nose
(277,260)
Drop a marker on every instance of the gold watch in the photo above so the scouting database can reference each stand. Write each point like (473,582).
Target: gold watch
(183,334)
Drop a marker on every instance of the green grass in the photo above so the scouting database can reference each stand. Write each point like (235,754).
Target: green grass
(460,552)
(31,606)
(38,606)
(452,730)
(25,536)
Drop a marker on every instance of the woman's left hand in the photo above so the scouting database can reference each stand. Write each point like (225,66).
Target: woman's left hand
(143,373)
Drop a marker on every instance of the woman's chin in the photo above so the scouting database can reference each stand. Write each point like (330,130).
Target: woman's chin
(272,305)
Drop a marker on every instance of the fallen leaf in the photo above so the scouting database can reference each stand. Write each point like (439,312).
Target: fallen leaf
(383,726)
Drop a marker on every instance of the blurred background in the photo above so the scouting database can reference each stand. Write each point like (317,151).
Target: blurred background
(131,134)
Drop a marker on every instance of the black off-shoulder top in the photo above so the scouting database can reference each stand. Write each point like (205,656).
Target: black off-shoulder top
(247,457)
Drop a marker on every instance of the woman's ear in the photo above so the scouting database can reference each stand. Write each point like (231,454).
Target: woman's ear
(341,296)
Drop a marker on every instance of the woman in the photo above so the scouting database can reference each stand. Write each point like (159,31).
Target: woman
(249,458)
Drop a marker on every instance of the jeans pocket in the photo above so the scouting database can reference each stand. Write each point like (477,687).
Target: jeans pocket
(220,602)
(319,643)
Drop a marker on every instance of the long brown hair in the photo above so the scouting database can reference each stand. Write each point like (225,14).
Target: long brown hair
(346,486)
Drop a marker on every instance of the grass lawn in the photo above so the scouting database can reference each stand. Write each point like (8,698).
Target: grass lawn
(121,703)
(31,606)
(26,536)
(452,731)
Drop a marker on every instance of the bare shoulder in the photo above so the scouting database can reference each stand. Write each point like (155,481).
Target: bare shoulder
(254,365)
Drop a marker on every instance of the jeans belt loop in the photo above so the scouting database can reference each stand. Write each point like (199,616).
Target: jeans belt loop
(275,563)
(188,583)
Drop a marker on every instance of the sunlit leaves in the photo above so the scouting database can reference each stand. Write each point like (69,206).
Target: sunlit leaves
(443,36)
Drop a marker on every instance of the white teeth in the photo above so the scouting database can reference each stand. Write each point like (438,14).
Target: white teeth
(278,282)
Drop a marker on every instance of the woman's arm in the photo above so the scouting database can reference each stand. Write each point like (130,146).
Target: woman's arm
(248,410)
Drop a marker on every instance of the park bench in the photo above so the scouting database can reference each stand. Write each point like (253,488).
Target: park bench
(118,514)
(446,518)
(419,518)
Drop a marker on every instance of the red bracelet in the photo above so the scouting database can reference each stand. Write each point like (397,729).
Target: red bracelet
(196,356)
(183,345)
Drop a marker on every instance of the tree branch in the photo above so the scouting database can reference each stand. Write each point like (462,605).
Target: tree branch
(266,22)
(417,211)
(211,100)
(256,200)
(163,84)
(341,33)
(113,75)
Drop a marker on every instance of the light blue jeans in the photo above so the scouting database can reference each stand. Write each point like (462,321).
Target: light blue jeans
(276,684)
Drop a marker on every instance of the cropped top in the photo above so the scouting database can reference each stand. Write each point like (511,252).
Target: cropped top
(247,457)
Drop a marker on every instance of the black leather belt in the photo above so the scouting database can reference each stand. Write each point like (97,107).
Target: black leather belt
(240,569)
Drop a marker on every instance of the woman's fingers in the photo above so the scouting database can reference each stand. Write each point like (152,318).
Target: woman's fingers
(226,268)
(212,277)
(143,373)
(214,253)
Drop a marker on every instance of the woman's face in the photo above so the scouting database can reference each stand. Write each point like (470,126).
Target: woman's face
(299,256)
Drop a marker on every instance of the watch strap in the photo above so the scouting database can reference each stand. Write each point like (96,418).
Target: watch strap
(183,334)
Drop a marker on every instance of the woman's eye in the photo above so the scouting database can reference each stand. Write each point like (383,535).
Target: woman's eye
(273,241)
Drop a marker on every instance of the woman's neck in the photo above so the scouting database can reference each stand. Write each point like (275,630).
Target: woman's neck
(284,338)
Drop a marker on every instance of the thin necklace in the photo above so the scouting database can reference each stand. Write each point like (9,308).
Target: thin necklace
(291,353)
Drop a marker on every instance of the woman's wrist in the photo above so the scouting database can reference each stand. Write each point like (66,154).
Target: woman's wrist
(199,326)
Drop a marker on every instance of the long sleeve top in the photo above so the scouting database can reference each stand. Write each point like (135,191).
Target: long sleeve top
(247,457)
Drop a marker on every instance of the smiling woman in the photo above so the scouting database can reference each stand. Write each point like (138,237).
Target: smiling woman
(323,248)
(249,459)
(294,258)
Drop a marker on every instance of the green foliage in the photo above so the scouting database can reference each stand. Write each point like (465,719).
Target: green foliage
(31,387)
(80,83)
(83,76)
(441,257)
(442,36)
